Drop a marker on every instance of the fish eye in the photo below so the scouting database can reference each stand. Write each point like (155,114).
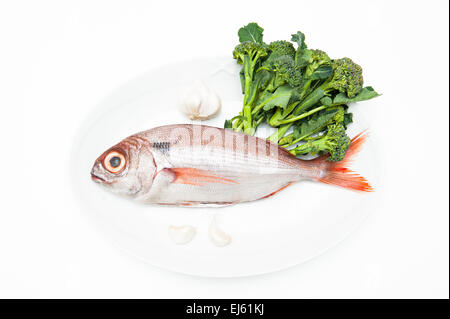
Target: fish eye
(114,162)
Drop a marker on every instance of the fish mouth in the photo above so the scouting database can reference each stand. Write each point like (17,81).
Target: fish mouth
(97,179)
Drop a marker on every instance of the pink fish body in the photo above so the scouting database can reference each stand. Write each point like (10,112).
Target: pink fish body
(196,165)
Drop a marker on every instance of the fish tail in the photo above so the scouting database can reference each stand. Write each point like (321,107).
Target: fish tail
(337,173)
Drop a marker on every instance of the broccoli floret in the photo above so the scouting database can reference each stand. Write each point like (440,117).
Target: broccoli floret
(249,55)
(279,48)
(339,117)
(335,142)
(347,77)
(338,141)
(286,71)
(254,51)
(317,58)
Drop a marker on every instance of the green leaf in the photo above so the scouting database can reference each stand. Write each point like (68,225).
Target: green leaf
(251,32)
(279,98)
(315,124)
(366,93)
(302,57)
(299,38)
(348,118)
(322,72)
(228,124)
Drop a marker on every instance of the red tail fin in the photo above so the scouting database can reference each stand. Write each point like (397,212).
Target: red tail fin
(338,174)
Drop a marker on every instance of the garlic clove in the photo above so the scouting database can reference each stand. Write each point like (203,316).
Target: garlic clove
(193,102)
(217,236)
(181,234)
(210,106)
(199,102)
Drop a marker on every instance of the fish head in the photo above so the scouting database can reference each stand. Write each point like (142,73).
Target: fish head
(126,169)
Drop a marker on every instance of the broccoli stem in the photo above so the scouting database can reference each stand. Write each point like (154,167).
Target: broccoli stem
(247,114)
(248,122)
(299,117)
(273,121)
(253,92)
(279,133)
(236,124)
(298,140)
(247,78)
(246,111)
(307,147)
(239,127)
(282,114)
(311,100)
(259,120)
(250,91)
(286,140)
(305,88)
(257,108)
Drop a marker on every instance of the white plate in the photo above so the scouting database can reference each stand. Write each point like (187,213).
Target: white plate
(291,227)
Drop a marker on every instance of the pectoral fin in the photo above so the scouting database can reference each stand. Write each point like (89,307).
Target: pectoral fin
(196,177)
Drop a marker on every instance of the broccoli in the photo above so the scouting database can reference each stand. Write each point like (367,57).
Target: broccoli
(296,87)
(268,78)
(248,54)
(335,142)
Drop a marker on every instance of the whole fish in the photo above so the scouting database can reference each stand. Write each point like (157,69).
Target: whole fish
(197,165)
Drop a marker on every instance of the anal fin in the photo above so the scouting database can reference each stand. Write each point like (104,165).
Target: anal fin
(278,190)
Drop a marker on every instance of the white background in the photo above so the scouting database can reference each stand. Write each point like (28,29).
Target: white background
(58,59)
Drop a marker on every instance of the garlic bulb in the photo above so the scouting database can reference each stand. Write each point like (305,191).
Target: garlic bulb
(217,235)
(199,102)
(181,234)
